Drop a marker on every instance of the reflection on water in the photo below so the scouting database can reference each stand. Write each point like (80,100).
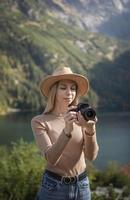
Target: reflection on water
(113,134)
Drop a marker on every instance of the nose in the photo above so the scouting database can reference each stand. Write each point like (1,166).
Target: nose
(68,91)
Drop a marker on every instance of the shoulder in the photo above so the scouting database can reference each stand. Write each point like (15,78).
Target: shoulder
(38,125)
(37,118)
(41,120)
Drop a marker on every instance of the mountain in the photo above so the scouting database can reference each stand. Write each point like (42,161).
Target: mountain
(35,38)
(110,17)
(112,84)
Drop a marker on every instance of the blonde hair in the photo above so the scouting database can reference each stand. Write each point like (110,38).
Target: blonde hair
(52,98)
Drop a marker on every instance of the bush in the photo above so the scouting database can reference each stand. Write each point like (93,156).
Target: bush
(21,168)
(111,179)
(112,174)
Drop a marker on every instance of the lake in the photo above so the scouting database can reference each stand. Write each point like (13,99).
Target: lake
(113,134)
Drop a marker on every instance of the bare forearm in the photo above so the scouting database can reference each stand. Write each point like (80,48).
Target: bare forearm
(55,151)
(91,147)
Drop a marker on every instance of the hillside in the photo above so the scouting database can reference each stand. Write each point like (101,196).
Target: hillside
(33,41)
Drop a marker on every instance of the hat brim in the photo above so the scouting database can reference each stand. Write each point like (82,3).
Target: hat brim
(81,81)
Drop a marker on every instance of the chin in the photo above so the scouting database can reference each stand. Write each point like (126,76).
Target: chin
(69,102)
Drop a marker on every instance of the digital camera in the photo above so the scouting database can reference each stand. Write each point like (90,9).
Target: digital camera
(86,111)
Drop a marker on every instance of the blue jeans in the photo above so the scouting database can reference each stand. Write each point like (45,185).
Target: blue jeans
(52,189)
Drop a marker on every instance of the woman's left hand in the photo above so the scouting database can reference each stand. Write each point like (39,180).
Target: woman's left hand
(89,125)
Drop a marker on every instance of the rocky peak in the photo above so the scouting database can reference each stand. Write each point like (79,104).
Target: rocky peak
(111,17)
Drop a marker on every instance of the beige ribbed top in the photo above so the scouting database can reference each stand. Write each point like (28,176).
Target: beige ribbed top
(65,156)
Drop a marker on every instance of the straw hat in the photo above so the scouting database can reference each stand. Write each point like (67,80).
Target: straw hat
(61,74)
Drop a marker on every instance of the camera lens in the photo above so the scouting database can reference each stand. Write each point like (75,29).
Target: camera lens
(90,113)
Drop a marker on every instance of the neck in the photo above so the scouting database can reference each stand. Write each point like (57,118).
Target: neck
(60,109)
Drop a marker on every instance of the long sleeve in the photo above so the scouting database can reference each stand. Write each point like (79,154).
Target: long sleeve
(91,147)
(51,151)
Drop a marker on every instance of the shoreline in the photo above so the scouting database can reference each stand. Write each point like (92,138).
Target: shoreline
(15,110)
(99,112)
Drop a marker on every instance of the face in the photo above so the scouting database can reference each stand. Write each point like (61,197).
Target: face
(66,92)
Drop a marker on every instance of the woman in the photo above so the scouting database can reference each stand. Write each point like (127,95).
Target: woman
(65,138)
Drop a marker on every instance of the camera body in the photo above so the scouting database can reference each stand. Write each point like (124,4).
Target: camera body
(86,111)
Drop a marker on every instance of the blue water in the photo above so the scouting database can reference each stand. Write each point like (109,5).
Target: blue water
(113,133)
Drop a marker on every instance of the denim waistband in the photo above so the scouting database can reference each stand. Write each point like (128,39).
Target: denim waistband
(66,179)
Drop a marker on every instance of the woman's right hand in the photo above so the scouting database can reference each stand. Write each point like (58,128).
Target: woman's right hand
(70,117)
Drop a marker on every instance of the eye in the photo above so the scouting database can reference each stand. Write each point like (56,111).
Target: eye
(62,87)
(73,88)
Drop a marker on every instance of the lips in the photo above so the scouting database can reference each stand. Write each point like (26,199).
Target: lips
(68,98)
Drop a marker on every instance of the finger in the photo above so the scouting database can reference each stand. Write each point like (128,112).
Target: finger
(71,114)
(77,122)
(80,117)
(96,119)
(91,122)
(72,117)
(71,121)
(71,108)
